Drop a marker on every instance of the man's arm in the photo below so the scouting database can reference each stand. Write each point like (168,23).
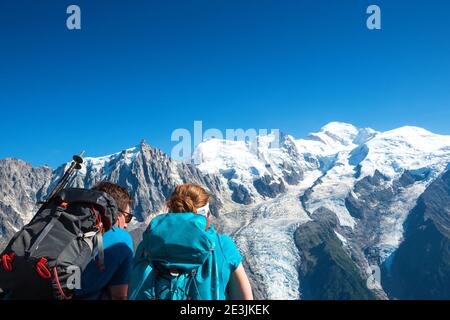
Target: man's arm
(239,286)
(119,292)
(118,285)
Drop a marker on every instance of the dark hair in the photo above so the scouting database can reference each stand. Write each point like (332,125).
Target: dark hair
(119,194)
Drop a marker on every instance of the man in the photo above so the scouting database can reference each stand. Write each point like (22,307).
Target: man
(112,283)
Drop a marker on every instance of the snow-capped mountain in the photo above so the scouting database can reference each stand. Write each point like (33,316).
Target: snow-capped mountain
(304,212)
(148,173)
(252,172)
(389,155)
(369,180)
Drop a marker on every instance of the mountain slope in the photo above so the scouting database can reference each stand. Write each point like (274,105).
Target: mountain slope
(420,268)
(21,187)
(327,271)
(149,174)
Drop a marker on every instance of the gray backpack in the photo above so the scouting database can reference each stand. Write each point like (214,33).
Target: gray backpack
(44,255)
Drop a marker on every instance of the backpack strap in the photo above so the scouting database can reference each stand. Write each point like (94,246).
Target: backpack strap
(146,274)
(61,294)
(99,240)
(174,278)
(7,260)
(216,277)
(101,252)
(88,237)
(193,281)
(46,230)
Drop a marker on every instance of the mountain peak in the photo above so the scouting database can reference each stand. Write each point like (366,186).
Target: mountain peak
(335,137)
(342,129)
(338,127)
(410,131)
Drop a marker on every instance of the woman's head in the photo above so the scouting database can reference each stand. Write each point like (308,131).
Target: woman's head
(188,198)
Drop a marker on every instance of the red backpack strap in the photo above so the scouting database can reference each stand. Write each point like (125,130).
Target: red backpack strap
(208,225)
(58,286)
(7,260)
(42,269)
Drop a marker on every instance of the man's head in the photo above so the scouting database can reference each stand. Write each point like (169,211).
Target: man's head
(122,198)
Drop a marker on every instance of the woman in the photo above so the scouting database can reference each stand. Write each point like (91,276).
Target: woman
(182,257)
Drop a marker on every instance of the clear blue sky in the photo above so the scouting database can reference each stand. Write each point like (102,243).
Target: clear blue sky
(140,69)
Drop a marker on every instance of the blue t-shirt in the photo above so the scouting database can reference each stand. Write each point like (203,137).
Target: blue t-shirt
(228,260)
(118,250)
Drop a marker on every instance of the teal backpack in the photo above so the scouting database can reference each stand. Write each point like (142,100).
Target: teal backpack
(176,260)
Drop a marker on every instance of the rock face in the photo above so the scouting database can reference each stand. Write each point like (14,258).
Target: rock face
(327,271)
(267,187)
(380,206)
(21,187)
(420,268)
(309,215)
(149,174)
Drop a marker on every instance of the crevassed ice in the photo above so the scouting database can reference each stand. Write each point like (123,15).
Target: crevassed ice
(268,241)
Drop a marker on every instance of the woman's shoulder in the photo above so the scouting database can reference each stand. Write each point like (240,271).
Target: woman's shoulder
(225,240)
(230,250)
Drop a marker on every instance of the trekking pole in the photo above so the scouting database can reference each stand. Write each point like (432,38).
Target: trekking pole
(75,165)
